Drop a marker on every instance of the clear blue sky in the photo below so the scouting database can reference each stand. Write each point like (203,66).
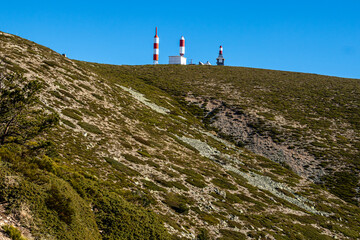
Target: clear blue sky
(306,36)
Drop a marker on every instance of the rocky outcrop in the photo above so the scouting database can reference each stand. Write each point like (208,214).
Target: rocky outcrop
(258,136)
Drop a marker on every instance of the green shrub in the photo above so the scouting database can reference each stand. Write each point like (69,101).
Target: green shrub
(196,182)
(120,220)
(133,159)
(121,167)
(61,204)
(144,153)
(13,232)
(231,235)
(223,183)
(343,185)
(51,63)
(85,87)
(87,112)
(68,123)
(203,235)
(142,140)
(209,218)
(90,128)
(71,113)
(178,202)
(67,94)
(171,184)
(152,186)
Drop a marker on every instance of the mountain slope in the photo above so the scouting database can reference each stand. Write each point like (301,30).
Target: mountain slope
(139,145)
(309,122)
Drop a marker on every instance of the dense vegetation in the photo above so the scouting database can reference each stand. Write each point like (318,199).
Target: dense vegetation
(32,177)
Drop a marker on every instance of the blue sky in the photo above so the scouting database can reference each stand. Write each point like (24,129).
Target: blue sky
(305,36)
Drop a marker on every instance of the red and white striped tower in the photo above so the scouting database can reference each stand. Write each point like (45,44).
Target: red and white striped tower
(220,59)
(182,46)
(156,48)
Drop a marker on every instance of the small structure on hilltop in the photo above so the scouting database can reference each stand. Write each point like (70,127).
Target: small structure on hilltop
(220,59)
(181,60)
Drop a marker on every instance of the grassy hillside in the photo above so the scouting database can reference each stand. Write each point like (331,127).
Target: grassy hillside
(312,113)
(137,153)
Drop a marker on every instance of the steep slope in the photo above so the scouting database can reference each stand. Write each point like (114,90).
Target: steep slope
(131,152)
(308,122)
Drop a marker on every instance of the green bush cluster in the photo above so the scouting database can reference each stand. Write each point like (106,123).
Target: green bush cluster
(223,183)
(343,184)
(72,113)
(179,203)
(13,232)
(65,203)
(90,127)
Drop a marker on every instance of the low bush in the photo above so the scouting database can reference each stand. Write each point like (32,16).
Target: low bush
(71,114)
(179,203)
(90,128)
(61,204)
(13,232)
(223,183)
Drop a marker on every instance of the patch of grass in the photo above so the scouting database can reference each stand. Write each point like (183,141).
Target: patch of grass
(58,95)
(68,123)
(87,112)
(121,167)
(72,114)
(90,128)
(285,192)
(223,183)
(343,185)
(51,63)
(152,186)
(319,144)
(170,173)
(209,218)
(231,235)
(67,94)
(196,182)
(126,145)
(267,115)
(144,153)
(297,231)
(85,87)
(179,203)
(171,184)
(142,140)
(133,159)
(203,234)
